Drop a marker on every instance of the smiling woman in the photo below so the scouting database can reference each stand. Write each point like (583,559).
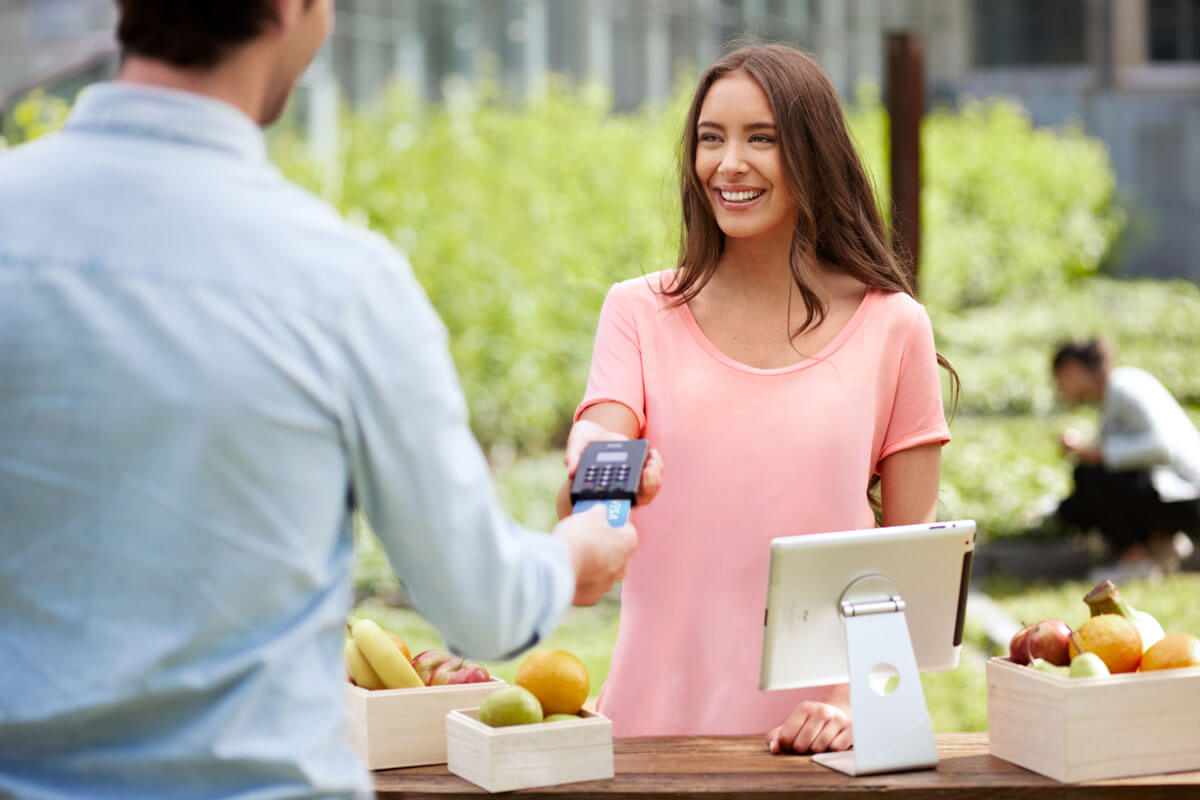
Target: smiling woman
(767,422)
(738,160)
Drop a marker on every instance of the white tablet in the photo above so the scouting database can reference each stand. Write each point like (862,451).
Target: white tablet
(804,638)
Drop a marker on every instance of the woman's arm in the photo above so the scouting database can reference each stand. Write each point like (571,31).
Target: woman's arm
(604,422)
(909,484)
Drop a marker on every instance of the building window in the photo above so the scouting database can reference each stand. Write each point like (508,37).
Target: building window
(1174,30)
(1018,33)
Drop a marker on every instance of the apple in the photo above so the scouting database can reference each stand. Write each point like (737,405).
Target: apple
(1046,640)
(469,672)
(426,663)
(1018,649)
(1049,640)
(458,670)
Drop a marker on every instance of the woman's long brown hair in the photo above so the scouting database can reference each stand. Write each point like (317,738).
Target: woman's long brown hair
(838,223)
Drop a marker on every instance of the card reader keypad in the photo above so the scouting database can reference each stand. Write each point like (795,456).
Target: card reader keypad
(610,470)
(601,479)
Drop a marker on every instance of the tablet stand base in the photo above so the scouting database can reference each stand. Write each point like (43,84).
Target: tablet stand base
(892,732)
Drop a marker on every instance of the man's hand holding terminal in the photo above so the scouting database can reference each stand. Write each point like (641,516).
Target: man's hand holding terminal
(598,552)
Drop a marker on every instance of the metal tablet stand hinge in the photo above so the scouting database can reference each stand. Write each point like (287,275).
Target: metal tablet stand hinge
(892,732)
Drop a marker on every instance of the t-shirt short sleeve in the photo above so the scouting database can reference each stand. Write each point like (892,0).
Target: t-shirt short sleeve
(917,416)
(616,371)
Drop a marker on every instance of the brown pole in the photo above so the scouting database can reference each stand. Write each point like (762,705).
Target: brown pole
(905,105)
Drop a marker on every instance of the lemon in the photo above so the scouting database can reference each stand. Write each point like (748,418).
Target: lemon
(511,705)
(557,678)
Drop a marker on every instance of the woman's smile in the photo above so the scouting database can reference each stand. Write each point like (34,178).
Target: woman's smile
(738,197)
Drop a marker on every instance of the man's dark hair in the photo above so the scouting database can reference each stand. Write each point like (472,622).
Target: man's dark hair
(190,33)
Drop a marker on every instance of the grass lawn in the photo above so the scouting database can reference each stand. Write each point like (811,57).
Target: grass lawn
(1002,461)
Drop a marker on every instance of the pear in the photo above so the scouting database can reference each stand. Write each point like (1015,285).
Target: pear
(1088,665)
(1042,665)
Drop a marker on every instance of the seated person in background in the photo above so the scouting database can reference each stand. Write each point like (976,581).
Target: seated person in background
(1140,483)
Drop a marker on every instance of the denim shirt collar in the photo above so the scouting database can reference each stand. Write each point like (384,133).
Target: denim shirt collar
(168,114)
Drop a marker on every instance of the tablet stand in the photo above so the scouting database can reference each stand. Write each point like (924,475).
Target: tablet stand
(891,731)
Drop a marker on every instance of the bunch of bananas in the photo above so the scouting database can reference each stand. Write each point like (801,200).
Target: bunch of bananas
(377,660)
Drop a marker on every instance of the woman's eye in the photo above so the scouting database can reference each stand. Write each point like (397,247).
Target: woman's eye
(709,138)
(761,139)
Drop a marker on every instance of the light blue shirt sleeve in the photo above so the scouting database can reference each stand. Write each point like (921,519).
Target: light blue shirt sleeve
(424,485)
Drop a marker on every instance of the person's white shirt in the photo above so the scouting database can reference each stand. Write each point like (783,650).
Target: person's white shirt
(1144,427)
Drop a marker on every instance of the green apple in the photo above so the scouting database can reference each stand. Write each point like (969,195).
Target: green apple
(512,705)
(1088,665)
(560,717)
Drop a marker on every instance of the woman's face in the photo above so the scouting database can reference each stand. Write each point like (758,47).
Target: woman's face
(739,161)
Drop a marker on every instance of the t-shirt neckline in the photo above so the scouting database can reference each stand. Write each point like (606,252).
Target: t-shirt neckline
(829,349)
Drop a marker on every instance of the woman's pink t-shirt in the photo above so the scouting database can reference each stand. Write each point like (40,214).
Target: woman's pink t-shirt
(749,454)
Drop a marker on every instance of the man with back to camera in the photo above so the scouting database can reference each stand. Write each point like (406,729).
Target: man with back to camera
(203,372)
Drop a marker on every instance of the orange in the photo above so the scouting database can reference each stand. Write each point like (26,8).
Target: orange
(1171,651)
(557,679)
(1112,637)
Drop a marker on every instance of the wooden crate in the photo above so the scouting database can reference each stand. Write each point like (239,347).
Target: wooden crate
(406,727)
(521,756)
(1093,728)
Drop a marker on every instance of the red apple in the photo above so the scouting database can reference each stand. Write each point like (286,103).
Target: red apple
(469,672)
(1018,649)
(458,670)
(427,662)
(1048,640)
(441,675)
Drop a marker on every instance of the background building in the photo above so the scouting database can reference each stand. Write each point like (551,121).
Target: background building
(59,45)
(1128,70)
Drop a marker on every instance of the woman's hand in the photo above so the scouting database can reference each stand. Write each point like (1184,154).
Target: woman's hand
(585,431)
(813,727)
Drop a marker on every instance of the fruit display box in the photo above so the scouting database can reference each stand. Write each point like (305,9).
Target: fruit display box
(523,756)
(1079,729)
(407,727)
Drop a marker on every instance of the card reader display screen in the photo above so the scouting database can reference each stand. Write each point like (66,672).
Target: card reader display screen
(612,457)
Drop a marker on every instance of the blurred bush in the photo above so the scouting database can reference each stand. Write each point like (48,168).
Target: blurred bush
(33,115)
(1005,206)
(1003,351)
(516,219)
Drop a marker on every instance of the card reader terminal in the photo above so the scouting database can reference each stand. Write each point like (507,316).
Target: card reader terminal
(609,474)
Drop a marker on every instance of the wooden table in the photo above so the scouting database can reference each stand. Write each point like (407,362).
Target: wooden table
(732,768)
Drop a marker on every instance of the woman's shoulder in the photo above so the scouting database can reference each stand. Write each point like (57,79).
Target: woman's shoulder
(643,292)
(897,310)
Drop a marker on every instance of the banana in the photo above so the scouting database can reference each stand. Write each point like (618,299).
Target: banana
(359,669)
(1105,599)
(384,656)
